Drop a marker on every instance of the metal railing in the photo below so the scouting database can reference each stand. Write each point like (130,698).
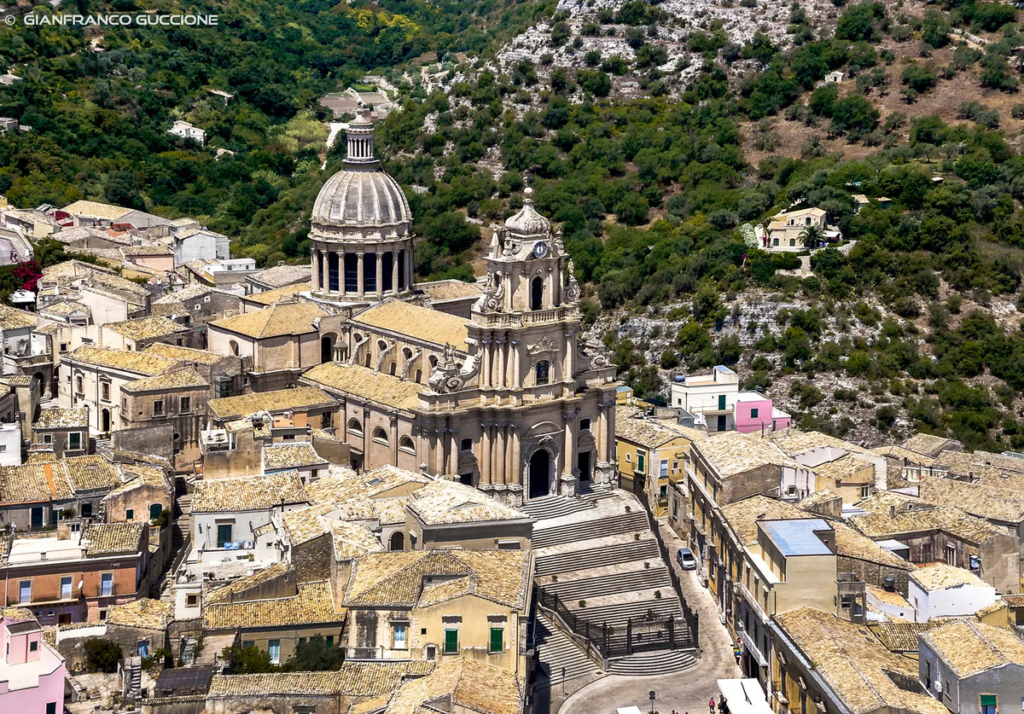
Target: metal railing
(603,642)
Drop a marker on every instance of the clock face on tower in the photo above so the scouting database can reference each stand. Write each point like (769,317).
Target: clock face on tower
(540,249)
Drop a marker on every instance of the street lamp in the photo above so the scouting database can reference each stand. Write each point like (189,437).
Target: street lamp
(652,695)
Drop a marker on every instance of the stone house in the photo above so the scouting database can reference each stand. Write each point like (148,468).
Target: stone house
(65,577)
(305,406)
(135,335)
(145,492)
(276,622)
(438,605)
(197,304)
(34,496)
(94,376)
(279,276)
(943,534)
(177,397)
(972,668)
(61,433)
(225,373)
(255,302)
(140,627)
(281,342)
(196,243)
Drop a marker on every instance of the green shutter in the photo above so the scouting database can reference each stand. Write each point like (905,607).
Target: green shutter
(451,641)
(497,639)
(988,700)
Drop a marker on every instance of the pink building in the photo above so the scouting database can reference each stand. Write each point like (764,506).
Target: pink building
(754,411)
(31,672)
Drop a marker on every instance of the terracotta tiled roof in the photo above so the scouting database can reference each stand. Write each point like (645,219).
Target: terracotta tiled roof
(312,604)
(276,401)
(95,209)
(448,289)
(247,493)
(282,275)
(928,444)
(12,318)
(970,648)
(113,538)
(901,636)
(939,576)
(398,578)
(146,327)
(241,585)
(272,297)
(734,453)
(290,456)
(421,323)
(89,473)
(173,379)
(367,384)
(147,613)
(275,321)
(464,685)
(854,664)
(136,362)
(183,354)
(989,502)
(448,502)
(795,441)
(363,679)
(893,514)
(631,426)
(57,418)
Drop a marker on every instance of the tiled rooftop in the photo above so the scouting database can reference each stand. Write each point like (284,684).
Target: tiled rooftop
(364,382)
(282,275)
(927,444)
(136,362)
(247,493)
(364,679)
(989,502)
(276,401)
(448,502)
(464,685)
(183,354)
(272,297)
(970,648)
(275,321)
(173,379)
(225,593)
(313,603)
(57,418)
(113,538)
(12,318)
(899,636)
(854,664)
(794,441)
(147,613)
(846,469)
(146,327)
(290,456)
(939,576)
(734,453)
(418,322)
(915,516)
(631,426)
(448,289)
(397,578)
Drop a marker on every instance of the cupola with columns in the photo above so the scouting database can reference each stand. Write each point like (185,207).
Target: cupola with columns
(361,228)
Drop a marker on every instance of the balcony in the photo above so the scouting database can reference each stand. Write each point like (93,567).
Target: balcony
(751,646)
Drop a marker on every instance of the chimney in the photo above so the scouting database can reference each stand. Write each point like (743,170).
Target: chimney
(889,584)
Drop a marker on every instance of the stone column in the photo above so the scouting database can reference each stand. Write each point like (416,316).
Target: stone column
(570,477)
(380,273)
(366,438)
(500,342)
(549,288)
(409,282)
(485,454)
(360,291)
(516,380)
(394,439)
(570,351)
(512,475)
(485,358)
(499,455)
(455,451)
(394,271)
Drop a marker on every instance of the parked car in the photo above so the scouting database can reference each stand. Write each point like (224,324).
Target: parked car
(686,560)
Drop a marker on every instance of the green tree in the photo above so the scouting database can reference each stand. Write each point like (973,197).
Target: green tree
(101,655)
(248,660)
(314,655)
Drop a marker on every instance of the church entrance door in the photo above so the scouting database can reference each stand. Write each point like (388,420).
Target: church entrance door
(540,469)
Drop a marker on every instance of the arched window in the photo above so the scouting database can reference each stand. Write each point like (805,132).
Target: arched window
(419,375)
(79,384)
(406,444)
(393,368)
(380,436)
(537,294)
(407,353)
(233,346)
(368,358)
(542,372)
(354,427)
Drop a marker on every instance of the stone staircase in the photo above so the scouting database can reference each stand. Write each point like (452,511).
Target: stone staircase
(554,507)
(573,532)
(598,549)
(644,664)
(598,556)
(555,651)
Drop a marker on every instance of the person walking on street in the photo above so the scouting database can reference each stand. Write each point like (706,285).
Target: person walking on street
(711,706)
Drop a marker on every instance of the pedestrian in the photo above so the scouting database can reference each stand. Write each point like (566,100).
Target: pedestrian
(711,705)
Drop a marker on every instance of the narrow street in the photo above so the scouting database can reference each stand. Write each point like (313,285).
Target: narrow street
(686,692)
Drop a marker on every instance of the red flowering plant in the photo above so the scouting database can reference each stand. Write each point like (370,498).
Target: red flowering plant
(29,274)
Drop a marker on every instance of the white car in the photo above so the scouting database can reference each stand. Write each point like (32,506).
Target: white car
(685,559)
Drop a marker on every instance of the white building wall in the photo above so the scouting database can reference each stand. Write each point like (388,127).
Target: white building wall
(959,601)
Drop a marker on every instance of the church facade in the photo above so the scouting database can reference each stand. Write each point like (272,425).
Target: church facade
(509,400)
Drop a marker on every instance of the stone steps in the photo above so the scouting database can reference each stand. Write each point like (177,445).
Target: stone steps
(617,615)
(616,582)
(597,557)
(574,532)
(555,651)
(648,663)
(554,506)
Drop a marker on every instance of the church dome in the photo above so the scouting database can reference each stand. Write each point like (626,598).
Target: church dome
(528,222)
(361,195)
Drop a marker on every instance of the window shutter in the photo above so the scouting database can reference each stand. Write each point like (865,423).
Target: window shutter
(451,641)
(497,639)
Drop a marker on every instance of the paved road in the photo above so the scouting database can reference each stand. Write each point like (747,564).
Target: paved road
(685,692)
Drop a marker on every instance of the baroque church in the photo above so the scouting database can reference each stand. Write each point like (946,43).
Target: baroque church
(493,387)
